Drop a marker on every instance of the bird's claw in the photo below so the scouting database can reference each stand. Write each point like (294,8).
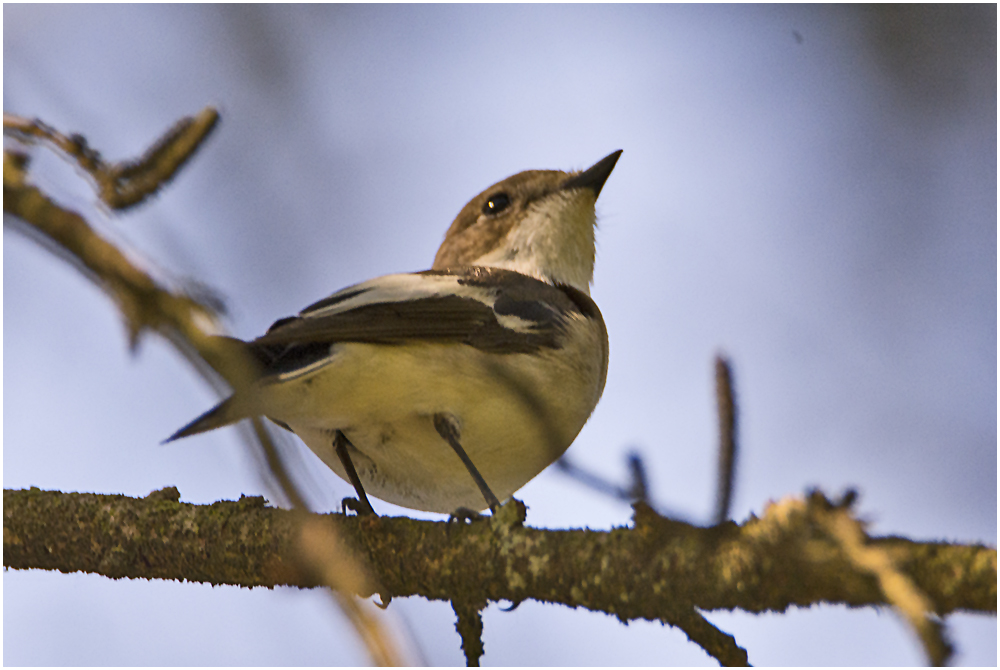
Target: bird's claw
(359,507)
(464,515)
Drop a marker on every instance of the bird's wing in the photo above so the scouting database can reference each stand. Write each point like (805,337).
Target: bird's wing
(491,309)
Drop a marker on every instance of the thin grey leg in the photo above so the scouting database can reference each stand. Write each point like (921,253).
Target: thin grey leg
(447,428)
(340,446)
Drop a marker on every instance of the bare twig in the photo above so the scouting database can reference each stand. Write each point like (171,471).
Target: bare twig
(636,491)
(727,438)
(125,183)
(914,606)
(638,487)
(717,644)
(469,624)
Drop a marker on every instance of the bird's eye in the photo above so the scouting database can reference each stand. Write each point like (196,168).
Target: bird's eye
(496,203)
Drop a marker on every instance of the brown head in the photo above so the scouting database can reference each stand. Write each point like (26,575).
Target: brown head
(537,222)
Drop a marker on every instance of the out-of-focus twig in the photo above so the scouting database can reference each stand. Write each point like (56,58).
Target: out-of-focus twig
(913,605)
(726,403)
(125,183)
(636,491)
(189,325)
(323,548)
(638,488)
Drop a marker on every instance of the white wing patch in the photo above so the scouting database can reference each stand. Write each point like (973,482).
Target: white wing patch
(400,287)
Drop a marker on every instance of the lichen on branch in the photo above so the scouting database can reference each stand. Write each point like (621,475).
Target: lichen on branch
(655,569)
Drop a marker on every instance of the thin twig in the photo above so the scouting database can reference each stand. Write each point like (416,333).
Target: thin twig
(125,183)
(727,438)
(469,624)
(636,491)
(717,644)
(899,590)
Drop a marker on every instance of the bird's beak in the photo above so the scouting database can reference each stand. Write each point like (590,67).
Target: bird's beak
(594,176)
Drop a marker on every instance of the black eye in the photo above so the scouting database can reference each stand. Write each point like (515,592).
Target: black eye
(496,203)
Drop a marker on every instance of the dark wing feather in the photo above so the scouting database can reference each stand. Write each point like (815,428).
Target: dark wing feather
(296,342)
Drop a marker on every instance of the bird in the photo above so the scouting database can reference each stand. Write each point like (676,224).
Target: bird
(448,389)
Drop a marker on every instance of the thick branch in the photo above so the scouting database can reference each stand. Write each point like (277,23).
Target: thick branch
(657,569)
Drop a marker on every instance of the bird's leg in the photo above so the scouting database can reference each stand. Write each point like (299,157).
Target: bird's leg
(447,428)
(340,446)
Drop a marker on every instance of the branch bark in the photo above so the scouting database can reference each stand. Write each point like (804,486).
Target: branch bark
(657,569)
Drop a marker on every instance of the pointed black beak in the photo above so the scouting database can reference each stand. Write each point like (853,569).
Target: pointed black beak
(594,176)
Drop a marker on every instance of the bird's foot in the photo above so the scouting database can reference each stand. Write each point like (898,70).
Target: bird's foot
(464,515)
(359,506)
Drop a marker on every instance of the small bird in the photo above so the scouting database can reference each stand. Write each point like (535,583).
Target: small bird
(448,389)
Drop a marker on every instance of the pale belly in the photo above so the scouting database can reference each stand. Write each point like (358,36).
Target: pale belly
(516,415)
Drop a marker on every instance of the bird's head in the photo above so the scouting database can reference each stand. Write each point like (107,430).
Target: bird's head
(538,222)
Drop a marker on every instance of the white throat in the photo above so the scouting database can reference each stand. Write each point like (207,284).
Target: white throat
(554,241)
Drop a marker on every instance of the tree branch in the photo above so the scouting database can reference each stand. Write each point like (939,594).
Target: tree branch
(469,624)
(658,569)
(125,183)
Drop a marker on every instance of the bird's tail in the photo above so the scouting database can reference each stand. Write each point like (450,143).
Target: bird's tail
(221,415)
(226,412)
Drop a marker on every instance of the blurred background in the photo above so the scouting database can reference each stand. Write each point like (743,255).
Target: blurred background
(809,189)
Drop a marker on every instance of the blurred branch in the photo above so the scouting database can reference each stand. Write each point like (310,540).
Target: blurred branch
(796,553)
(636,491)
(125,183)
(141,301)
(189,325)
(638,488)
(899,589)
(726,403)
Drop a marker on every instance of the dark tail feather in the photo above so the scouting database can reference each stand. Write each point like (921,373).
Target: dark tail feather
(218,416)
(226,412)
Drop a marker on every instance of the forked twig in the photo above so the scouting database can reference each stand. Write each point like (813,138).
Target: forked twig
(124,184)
(188,324)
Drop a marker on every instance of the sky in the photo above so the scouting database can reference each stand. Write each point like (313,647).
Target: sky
(808,189)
